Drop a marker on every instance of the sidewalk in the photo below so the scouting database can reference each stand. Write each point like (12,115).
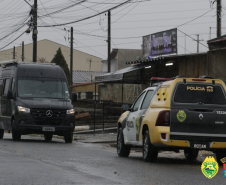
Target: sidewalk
(96,138)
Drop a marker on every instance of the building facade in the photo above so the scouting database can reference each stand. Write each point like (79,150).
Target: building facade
(46,51)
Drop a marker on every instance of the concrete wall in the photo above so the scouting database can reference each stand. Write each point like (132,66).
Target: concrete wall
(114,92)
(47,49)
(192,66)
(85,87)
(217,64)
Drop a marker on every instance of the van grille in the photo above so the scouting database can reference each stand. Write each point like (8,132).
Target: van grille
(41,118)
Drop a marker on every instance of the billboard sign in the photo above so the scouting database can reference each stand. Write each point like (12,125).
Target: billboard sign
(161,43)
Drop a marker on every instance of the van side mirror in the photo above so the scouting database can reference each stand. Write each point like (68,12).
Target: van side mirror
(10,94)
(74,96)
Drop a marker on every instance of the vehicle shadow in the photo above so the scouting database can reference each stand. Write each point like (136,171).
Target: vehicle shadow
(38,140)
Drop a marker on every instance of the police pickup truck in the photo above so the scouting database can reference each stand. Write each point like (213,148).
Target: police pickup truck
(182,114)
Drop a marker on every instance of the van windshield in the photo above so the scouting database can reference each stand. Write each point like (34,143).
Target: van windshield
(43,88)
(199,93)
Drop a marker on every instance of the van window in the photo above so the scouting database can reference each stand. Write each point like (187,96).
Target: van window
(1,87)
(13,85)
(199,93)
(6,87)
(43,88)
(147,100)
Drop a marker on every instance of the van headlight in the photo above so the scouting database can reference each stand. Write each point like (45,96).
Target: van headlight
(23,109)
(71,111)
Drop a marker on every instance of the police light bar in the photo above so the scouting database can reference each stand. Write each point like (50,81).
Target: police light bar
(160,79)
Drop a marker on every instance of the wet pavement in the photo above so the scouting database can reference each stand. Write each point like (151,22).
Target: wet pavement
(92,159)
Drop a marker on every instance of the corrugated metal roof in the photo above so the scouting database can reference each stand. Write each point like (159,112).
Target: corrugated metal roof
(85,76)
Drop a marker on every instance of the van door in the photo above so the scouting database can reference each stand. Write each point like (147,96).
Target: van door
(2,119)
(198,114)
(6,105)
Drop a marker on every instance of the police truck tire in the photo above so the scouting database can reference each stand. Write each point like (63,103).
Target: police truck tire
(122,149)
(48,136)
(1,133)
(150,153)
(191,154)
(68,137)
(16,134)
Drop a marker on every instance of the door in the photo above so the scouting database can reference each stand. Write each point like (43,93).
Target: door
(6,104)
(135,118)
(2,119)
(130,129)
(198,113)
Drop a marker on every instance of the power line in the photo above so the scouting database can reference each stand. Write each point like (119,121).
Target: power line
(89,16)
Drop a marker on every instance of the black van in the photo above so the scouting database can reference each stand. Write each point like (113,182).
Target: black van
(35,99)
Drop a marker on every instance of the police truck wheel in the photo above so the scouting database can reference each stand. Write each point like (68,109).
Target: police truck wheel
(191,154)
(48,136)
(150,153)
(68,137)
(16,134)
(122,149)
(1,133)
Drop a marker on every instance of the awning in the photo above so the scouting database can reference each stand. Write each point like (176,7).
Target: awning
(132,73)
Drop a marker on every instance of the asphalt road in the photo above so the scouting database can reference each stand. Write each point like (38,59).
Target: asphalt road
(34,161)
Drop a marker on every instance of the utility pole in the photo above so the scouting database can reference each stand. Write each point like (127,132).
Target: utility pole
(197,42)
(185,43)
(14,54)
(109,41)
(35,31)
(71,56)
(22,57)
(219,7)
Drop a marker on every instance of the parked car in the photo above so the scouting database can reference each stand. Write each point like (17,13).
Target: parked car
(35,99)
(182,114)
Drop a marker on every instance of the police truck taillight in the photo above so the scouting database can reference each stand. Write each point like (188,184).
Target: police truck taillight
(163,118)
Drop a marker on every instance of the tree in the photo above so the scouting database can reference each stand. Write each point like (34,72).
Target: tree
(42,60)
(59,59)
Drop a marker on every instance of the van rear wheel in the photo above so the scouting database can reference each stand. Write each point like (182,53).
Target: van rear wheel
(191,154)
(48,136)
(16,134)
(1,133)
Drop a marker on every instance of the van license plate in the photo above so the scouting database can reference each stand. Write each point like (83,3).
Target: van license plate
(200,146)
(48,129)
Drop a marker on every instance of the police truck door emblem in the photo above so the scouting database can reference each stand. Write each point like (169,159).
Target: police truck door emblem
(49,113)
(181,115)
(201,116)
(209,167)
(137,122)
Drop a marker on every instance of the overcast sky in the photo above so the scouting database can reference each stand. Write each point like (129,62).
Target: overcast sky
(136,19)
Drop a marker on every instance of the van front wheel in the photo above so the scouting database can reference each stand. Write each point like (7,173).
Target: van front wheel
(16,134)
(1,133)
(68,137)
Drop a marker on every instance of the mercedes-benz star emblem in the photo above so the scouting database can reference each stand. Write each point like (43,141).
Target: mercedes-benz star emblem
(200,116)
(49,113)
